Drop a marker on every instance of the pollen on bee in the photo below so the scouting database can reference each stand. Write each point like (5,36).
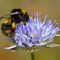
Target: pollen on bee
(13,25)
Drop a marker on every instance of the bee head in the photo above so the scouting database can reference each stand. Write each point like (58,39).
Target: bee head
(22,16)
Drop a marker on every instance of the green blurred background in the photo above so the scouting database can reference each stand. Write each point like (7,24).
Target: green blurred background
(49,7)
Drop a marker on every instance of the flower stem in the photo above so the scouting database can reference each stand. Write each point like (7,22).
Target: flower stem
(32,56)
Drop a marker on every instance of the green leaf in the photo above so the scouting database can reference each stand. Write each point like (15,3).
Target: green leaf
(52,45)
(57,34)
(11,47)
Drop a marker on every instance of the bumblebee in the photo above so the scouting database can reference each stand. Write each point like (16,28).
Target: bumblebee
(10,21)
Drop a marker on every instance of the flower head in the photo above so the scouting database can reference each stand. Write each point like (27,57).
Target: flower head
(35,32)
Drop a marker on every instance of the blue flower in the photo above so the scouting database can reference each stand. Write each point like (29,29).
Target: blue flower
(35,32)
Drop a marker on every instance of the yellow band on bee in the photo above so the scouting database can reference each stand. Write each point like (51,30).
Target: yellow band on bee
(4,21)
(23,11)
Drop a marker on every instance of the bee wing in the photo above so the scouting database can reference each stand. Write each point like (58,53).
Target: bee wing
(11,47)
(8,15)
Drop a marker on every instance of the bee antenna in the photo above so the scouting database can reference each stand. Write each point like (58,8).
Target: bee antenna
(8,15)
